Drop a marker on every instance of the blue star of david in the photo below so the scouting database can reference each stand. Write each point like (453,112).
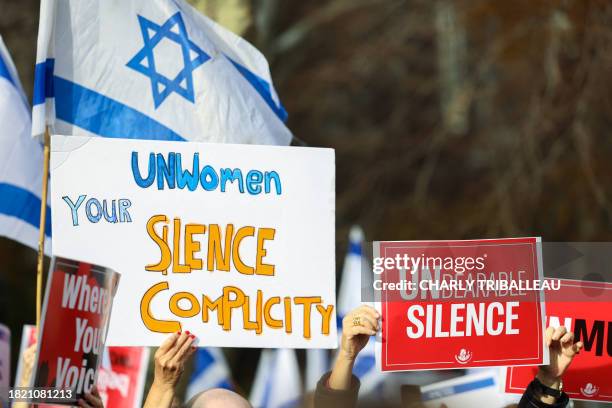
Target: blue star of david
(144,62)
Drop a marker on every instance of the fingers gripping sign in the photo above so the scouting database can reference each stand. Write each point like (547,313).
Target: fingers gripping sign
(357,327)
(562,351)
(170,358)
(91,399)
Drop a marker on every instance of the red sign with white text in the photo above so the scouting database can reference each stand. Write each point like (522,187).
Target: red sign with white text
(586,309)
(75,318)
(121,376)
(459,304)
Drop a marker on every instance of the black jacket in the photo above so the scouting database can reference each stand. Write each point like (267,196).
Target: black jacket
(325,397)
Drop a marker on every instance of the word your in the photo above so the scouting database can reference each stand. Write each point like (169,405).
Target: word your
(465,320)
(118,211)
(232,299)
(88,339)
(223,249)
(169,172)
(459,264)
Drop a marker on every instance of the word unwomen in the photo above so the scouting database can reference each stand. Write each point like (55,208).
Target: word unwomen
(169,173)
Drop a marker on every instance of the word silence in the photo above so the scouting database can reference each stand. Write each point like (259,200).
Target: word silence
(461,325)
(234,243)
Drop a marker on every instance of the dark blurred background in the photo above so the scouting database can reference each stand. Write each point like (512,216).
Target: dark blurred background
(450,119)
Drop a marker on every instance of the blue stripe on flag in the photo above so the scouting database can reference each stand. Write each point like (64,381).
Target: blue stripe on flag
(225,384)
(203,359)
(43,81)
(457,389)
(363,364)
(22,204)
(46,86)
(4,71)
(263,88)
(104,116)
(355,248)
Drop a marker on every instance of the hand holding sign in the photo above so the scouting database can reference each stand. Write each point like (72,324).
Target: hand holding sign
(170,360)
(91,399)
(357,327)
(29,356)
(562,351)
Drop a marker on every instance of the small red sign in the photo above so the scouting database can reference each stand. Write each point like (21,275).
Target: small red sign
(75,318)
(459,304)
(121,376)
(585,308)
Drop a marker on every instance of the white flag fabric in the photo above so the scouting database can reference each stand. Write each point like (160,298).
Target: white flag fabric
(277,381)
(317,364)
(210,370)
(349,298)
(151,69)
(21,162)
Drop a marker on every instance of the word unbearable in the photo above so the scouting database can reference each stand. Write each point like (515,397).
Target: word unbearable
(274,312)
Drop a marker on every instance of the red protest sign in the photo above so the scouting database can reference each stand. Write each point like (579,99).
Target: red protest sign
(458,304)
(75,318)
(585,308)
(121,376)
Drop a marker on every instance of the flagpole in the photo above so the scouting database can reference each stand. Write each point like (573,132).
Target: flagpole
(43,222)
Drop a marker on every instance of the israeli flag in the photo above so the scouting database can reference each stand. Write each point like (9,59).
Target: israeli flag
(349,297)
(210,370)
(317,364)
(277,381)
(21,162)
(151,69)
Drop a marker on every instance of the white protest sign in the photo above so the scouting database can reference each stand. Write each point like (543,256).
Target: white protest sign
(234,243)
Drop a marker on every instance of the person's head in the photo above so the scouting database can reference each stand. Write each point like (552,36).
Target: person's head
(217,398)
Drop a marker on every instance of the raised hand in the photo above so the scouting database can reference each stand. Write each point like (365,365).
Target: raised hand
(562,351)
(91,399)
(357,327)
(170,360)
